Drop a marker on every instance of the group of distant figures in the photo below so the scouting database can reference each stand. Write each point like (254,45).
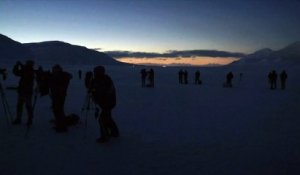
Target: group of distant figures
(147,78)
(272,77)
(183,78)
(100,88)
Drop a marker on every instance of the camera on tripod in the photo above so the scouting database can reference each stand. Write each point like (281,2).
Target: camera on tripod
(89,77)
(3,73)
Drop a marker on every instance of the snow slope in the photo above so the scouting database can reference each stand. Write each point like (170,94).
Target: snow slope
(289,55)
(171,129)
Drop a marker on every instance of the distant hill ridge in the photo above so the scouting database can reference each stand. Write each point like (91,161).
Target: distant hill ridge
(51,52)
(57,51)
(288,55)
(292,50)
(11,50)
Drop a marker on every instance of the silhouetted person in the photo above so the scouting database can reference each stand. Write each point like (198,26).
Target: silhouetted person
(180,76)
(241,76)
(3,73)
(39,71)
(79,74)
(197,77)
(143,77)
(88,80)
(270,80)
(59,83)
(274,77)
(25,90)
(104,95)
(42,79)
(283,77)
(151,77)
(39,77)
(185,77)
(229,78)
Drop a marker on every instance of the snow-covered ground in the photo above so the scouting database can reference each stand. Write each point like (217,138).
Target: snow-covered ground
(169,129)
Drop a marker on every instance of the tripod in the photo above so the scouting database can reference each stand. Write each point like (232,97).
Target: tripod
(86,108)
(6,109)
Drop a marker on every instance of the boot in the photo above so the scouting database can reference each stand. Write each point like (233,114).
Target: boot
(29,122)
(61,129)
(17,121)
(102,140)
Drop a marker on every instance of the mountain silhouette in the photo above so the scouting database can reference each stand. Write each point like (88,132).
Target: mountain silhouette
(11,50)
(65,53)
(288,55)
(291,52)
(51,52)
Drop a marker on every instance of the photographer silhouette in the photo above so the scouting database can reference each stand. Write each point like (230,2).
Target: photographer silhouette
(25,90)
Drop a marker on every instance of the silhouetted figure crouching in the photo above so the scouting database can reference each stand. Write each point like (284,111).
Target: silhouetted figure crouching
(104,95)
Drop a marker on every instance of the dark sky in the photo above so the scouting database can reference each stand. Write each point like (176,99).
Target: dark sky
(155,25)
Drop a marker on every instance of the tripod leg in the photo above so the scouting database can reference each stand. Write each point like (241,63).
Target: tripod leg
(8,111)
(5,110)
(85,124)
(5,106)
(84,107)
(34,101)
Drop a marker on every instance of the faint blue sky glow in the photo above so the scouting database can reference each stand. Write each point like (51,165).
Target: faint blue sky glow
(154,25)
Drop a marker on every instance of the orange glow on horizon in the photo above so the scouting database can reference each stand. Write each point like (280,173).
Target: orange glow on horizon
(194,61)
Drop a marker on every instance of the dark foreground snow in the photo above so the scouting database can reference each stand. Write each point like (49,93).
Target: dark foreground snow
(171,129)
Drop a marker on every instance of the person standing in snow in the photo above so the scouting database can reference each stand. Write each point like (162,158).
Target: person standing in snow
(151,78)
(185,77)
(180,76)
(270,80)
(197,77)
(241,77)
(25,90)
(274,79)
(143,77)
(283,77)
(104,95)
(229,78)
(59,82)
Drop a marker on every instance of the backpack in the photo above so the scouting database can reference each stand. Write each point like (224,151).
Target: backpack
(104,93)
